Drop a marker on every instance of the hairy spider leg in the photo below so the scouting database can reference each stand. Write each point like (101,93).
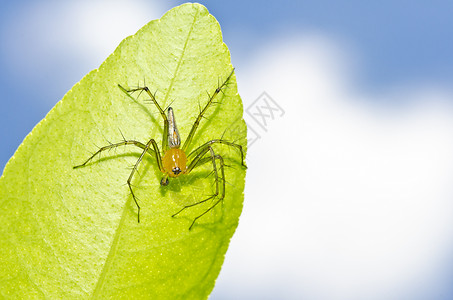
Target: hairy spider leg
(129,180)
(123,143)
(162,113)
(218,141)
(198,161)
(200,115)
(146,148)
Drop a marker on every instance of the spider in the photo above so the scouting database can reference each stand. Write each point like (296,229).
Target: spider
(173,160)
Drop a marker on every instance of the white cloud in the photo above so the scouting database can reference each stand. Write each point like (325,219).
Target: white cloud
(348,196)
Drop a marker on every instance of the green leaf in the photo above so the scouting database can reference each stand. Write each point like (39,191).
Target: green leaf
(73,233)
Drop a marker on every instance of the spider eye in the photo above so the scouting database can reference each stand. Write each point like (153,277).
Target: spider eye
(176,170)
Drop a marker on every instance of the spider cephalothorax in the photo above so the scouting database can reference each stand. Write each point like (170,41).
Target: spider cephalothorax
(173,161)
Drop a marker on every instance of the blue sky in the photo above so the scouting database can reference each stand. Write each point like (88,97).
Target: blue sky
(397,40)
(367,206)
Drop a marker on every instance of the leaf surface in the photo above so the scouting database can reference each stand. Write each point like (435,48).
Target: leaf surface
(73,233)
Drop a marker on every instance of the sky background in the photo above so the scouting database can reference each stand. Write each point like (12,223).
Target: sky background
(348,192)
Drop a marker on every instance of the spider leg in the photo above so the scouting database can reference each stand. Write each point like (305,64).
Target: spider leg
(222,177)
(111,146)
(146,148)
(199,160)
(153,99)
(134,169)
(200,115)
(218,141)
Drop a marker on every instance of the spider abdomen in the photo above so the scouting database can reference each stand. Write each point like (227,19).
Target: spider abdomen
(174,162)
